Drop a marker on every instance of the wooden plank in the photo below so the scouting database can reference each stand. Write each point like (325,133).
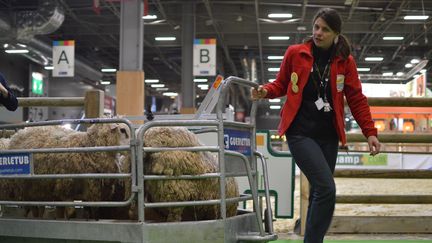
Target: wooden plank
(50,101)
(381,224)
(383,173)
(385,199)
(392,138)
(304,201)
(400,101)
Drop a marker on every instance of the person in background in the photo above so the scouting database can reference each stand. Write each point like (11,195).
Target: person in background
(315,76)
(7,98)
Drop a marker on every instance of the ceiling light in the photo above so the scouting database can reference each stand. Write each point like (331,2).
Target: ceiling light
(414,61)
(416,17)
(151,81)
(274,100)
(200,80)
(423,71)
(105,82)
(167,38)
(280,15)
(400,74)
(108,70)
(162,89)
(149,16)
(374,59)
(170,94)
(271,80)
(275,57)
(278,37)
(408,65)
(393,38)
(201,86)
(48,67)
(301,28)
(275,107)
(363,69)
(157,85)
(6,45)
(387,74)
(17,51)
(22,45)
(273,69)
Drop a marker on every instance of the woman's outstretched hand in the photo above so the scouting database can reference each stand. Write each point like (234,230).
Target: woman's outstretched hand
(374,145)
(258,93)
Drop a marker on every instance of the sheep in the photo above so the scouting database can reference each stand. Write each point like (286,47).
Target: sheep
(174,163)
(4,143)
(104,134)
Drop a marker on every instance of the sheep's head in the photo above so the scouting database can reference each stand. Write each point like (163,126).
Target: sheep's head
(109,134)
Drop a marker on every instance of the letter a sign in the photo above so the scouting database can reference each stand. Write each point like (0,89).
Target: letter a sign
(63,58)
(204,57)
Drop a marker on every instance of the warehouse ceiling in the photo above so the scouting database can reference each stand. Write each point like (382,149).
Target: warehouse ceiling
(242,30)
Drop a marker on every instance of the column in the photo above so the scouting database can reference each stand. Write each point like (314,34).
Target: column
(188,35)
(130,77)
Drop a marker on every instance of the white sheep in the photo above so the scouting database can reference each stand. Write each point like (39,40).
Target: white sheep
(174,163)
(104,134)
(4,143)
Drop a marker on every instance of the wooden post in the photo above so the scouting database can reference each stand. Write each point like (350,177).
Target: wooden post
(304,201)
(187,110)
(130,93)
(94,103)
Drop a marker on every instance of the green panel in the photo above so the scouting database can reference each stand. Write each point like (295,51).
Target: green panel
(37,83)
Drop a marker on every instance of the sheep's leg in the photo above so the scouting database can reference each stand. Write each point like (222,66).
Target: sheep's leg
(91,213)
(60,212)
(174,214)
(69,212)
(35,211)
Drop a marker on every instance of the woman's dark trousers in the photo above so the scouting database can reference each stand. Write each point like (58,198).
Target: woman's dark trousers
(316,158)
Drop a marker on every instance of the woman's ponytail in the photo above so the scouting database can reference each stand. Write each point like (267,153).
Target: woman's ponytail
(343,46)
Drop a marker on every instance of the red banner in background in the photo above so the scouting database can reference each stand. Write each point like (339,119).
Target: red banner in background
(96,6)
(145,7)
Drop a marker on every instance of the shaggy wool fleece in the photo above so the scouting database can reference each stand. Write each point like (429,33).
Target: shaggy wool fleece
(175,163)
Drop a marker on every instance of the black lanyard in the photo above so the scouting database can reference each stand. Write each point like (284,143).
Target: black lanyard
(323,78)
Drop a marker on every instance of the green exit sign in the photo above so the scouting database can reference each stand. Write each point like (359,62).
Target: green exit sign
(37,83)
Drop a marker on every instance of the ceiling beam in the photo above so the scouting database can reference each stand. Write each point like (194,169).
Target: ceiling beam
(304,5)
(220,38)
(373,39)
(354,5)
(161,10)
(259,42)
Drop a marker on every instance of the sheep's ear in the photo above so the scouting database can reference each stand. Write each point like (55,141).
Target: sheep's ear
(113,126)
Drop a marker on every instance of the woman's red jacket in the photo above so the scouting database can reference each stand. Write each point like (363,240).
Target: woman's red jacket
(295,70)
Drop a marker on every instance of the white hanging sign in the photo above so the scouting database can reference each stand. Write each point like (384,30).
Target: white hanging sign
(63,58)
(204,57)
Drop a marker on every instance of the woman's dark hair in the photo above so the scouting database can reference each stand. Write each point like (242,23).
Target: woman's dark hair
(334,21)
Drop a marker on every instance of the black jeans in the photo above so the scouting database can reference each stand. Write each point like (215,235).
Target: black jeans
(316,158)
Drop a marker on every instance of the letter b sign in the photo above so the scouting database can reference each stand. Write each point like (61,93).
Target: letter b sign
(204,62)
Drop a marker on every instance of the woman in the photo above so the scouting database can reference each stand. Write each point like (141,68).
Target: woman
(6,97)
(314,76)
